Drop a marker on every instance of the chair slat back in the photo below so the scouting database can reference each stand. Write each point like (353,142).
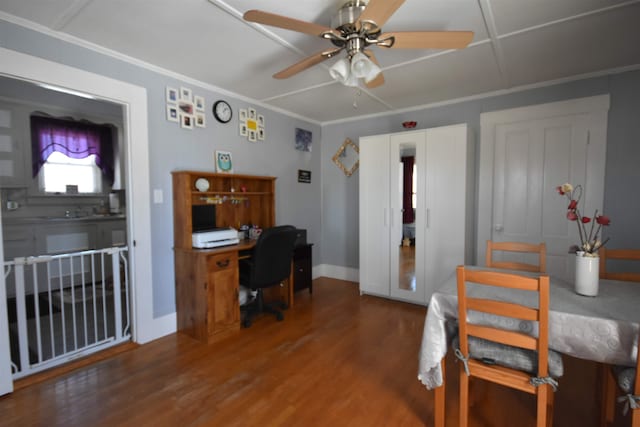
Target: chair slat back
(540,285)
(618,254)
(518,247)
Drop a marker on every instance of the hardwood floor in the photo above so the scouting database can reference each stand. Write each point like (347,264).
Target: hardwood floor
(338,359)
(407,268)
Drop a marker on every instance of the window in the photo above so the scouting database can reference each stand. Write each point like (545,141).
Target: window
(59,171)
(70,152)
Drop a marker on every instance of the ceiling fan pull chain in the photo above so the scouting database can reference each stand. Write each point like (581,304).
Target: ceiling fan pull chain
(356,93)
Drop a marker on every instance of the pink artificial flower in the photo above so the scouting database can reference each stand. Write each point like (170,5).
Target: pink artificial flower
(573,205)
(586,220)
(603,220)
(571,216)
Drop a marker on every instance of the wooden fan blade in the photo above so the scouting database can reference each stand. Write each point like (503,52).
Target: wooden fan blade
(287,23)
(379,80)
(306,63)
(430,39)
(379,11)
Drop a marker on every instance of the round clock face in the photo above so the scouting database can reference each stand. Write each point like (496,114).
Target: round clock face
(222,111)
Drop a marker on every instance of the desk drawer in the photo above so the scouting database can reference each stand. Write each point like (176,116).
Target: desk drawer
(221,262)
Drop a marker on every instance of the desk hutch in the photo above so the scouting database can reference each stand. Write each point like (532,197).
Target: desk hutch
(207,279)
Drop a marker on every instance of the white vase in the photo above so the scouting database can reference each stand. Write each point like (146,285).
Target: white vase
(587,271)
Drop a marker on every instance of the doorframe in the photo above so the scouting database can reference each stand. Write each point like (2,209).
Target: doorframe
(135,131)
(6,382)
(488,124)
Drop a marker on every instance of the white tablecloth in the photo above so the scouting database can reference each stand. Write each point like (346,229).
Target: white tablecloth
(602,328)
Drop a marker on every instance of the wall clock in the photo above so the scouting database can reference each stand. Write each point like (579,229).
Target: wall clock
(222,111)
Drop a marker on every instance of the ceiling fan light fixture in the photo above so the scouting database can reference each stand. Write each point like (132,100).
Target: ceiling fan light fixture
(363,67)
(340,71)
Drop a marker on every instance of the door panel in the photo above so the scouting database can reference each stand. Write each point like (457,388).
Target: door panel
(445,204)
(531,159)
(374,215)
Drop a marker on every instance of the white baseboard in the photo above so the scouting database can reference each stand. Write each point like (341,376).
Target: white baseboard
(167,325)
(336,272)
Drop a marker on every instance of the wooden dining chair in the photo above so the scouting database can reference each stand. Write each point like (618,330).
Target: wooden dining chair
(517,247)
(507,357)
(619,379)
(621,255)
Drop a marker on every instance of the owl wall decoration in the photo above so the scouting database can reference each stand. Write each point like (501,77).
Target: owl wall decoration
(224,163)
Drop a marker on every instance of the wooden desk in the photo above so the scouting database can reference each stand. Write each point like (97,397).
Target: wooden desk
(207,289)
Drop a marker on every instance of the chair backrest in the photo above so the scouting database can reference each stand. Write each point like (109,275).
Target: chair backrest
(271,256)
(539,285)
(619,254)
(540,249)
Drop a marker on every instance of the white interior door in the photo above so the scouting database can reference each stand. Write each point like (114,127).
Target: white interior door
(6,383)
(532,153)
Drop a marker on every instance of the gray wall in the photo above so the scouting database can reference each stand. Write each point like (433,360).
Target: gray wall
(172,148)
(328,207)
(622,204)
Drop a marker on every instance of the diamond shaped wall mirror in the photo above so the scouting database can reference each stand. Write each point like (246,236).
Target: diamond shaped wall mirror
(347,157)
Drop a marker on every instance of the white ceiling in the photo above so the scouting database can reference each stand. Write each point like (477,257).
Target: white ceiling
(517,44)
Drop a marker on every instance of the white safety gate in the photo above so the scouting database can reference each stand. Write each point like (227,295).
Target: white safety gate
(66,306)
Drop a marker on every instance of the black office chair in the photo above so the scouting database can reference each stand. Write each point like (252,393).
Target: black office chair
(269,265)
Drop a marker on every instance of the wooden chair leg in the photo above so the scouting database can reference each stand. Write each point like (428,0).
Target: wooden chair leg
(635,417)
(464,397)
(550,397)
(542,404)
(440,394)
(608,398)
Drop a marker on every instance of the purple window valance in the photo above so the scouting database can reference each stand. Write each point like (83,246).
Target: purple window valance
(74,139)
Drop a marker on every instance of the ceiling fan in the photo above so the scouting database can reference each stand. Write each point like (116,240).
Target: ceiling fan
(357,26)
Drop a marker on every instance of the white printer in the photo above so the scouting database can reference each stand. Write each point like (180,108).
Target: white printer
(215,237)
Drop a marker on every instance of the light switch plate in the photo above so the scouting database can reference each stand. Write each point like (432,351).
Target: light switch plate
(157,196)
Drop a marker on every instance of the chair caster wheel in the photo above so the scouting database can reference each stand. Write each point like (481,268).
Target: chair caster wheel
(279,317)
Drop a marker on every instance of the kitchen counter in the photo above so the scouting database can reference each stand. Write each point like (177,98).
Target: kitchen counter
(60,219)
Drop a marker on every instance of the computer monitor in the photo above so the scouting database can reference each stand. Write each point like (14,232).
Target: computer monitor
(203,217)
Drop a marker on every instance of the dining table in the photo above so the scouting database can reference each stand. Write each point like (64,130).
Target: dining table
(603,328)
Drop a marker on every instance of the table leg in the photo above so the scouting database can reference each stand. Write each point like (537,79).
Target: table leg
(439,409)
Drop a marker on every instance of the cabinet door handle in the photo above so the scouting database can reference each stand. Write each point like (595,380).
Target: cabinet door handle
(223,264)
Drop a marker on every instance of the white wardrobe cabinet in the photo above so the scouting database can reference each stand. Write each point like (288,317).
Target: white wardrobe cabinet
(441,236)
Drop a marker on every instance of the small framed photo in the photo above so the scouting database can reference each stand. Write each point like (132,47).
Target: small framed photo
(252,136)
(260,134)
(185,94)
(172,95)
(303,139)
(252,113)
(243,129)
(185,107)
(186,121)
(224,163)
(200,120)
(198,102)
(260,120)
(172,113)
(242,115)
